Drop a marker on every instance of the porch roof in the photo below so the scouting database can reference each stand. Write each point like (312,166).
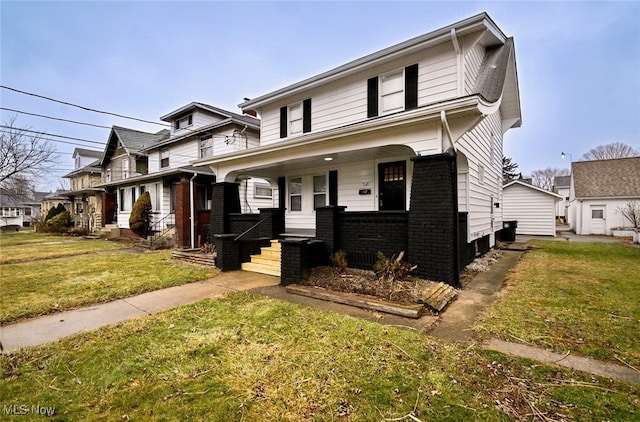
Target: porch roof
(202,170)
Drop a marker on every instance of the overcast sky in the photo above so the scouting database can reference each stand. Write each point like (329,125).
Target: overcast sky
(578,62)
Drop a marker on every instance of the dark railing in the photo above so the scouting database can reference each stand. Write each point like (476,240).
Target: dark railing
(161,227)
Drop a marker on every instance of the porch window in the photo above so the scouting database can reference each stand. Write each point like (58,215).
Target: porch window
(133,196)
(206,146)
(204,198)
(164,157)
(262,192)
(319,191)
(295,194)
(123,201)
(157,190)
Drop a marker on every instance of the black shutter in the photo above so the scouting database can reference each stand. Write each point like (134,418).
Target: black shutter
(411,87)
(282,191)
(283,122)
(372,97)
(333,188)
(306,115)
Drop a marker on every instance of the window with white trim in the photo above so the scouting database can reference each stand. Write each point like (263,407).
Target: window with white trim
(206,146)
(183,122)
(392,92)
(125,168)
(261,191)
(481,174)
(295,194)
(107,174)
(164,157)
(295,119)
(319,191)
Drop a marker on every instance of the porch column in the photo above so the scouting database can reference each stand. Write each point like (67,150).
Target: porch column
(225,200)
(183,220)
(327,225)
(433,219)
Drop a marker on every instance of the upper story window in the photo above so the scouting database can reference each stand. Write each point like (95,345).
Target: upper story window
(164,157)
(126,170)
(393,91)
(206,146)
(183,122)
(295,119)
(107,173)
(78,162)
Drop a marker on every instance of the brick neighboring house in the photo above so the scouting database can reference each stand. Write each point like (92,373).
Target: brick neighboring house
(398,150)
(85,197)
(598,189)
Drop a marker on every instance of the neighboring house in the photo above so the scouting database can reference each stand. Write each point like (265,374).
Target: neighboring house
(562,186)
(52,199)
(135,162)
(599,189)
(19,209)
(398,150)
(86,199)
(532,207)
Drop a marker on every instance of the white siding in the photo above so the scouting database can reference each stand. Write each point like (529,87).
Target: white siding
(472,62)
(248,202)
(484,218)
(344,102)
(534,210)
(199,119)
(580,214)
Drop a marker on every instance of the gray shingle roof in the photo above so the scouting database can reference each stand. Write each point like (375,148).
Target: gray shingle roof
(493,71)
(134,140)
(618,177)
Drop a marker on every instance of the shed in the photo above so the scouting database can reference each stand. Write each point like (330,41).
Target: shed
(534,208)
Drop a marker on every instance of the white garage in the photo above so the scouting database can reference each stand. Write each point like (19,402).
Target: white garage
(534,208)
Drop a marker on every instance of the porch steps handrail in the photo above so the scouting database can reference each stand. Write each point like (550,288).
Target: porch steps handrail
(254,226)
(157,230)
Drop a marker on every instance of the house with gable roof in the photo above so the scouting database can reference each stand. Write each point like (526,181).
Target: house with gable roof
(85,197)
(160,163)
(599,189)
(400,150)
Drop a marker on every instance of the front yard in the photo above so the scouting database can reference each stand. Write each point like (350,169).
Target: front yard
(572,297)
(34,286)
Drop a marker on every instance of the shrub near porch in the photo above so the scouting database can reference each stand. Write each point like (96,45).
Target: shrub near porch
(572,297)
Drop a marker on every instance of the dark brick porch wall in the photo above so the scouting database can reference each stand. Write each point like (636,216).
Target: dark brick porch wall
(433,219)
(225,201)
(467,250)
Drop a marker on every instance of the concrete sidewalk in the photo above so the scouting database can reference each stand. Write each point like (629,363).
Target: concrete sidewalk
(52,327)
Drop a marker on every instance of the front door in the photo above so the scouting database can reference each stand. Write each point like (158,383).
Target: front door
(392,186)
(598,219)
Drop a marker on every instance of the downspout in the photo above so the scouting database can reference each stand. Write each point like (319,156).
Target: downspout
(456,46)
(192,213)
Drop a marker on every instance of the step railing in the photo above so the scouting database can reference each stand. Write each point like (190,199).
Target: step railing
(241,235)
(162,227)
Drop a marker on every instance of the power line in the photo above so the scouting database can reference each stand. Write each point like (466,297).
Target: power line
(54,118)
(44,138)
(51,134)
(84,108)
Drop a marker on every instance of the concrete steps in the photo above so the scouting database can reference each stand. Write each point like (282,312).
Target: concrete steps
(110,231)
(267,262)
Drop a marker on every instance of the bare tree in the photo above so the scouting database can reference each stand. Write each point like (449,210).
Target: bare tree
(24,154)
(631,212)
(543,178)
(614,150)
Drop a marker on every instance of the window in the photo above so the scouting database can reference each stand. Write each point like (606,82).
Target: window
(295,194)
(122,200)
(319,191)
(157,193)
(393,91)
(125,168)
(133,197)
(164,157)
(206,146)
(78,161)
(262,192)
(183,122)
(481,174)
(597,214)
(27,211)
(108,173)
(295,119)
(203,194)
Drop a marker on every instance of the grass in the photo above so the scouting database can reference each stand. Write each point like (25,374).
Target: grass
(576,297)
(40,287)
(26,237)
(250,358)
(52,247)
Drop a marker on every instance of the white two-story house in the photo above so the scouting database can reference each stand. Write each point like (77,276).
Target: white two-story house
(397,150)
(160,163)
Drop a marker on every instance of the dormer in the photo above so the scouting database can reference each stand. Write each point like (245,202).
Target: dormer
(193,116)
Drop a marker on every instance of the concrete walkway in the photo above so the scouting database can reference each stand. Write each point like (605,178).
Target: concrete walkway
(50,328)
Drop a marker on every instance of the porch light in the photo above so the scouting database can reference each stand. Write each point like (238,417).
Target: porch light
(328,158)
